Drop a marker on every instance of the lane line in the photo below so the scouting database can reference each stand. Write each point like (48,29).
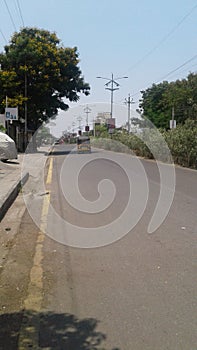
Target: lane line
(29,331)
(50,171)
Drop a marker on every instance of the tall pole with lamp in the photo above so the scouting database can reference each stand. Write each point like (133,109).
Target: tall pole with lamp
(113,86)
(87,110)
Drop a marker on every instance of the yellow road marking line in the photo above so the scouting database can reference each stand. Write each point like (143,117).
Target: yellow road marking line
(30,327)
(50,171)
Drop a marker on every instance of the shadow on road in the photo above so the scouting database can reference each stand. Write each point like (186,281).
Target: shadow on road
(55,331)
(61,152)
(10,162)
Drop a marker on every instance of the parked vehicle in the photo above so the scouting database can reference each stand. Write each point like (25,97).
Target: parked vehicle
(83,144)
(7,147)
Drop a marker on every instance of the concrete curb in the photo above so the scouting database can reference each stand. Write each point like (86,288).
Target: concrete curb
(11,195)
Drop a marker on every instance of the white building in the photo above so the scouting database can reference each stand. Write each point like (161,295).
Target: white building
(102,117)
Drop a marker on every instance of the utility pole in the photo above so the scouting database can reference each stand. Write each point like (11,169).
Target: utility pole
(73,125)
(129,101)
(87,110)
(94,131)
(113,83)
(173,117)
(26,136)
(79,121)
(7,123)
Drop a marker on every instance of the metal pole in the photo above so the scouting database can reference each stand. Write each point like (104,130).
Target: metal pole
(112,91)
(87,110)
(173,117)
(25,108)
(7,121)
(73,125)
(129,102)
(94,131)
(79,120)
(129,105)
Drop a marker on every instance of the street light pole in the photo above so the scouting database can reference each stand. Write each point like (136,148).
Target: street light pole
(87,110)
(73,125)
(112,82)
(79,121)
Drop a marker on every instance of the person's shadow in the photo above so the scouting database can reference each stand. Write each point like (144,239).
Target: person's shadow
(54,332)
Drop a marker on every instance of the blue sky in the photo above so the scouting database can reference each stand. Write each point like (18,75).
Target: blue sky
(144,40)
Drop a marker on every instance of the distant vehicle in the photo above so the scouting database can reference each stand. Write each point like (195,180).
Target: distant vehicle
(7,147)
(59,142)
(83,144)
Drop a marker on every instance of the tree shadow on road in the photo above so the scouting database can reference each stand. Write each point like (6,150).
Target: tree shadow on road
(53,332)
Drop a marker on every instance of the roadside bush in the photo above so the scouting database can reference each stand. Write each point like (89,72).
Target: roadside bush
(110,145)
(181,141)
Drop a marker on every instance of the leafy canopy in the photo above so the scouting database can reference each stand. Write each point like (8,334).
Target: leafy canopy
(37,69)
(158,101)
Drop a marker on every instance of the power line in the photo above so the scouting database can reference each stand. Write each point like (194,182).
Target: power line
(189,69)
(174,70)
(163,39)
(171,72)
(20,12)
(11,18)
(3,36)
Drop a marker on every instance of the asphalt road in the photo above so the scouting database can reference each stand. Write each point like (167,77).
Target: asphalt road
(136,292)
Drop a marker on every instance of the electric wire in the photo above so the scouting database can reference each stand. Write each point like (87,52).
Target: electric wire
(3,36)
(162,40)
(20,12)
(174,70)
(11,18)
(171,72)
(188,70)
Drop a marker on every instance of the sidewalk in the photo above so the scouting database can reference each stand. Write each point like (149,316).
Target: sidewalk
(10,183)
(12,178)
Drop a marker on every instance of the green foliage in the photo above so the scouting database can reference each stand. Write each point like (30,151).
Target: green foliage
(36,62)
(182,142)
(43,136)
(151,143)
(2,128)
(136,144)
(109,145)
(157,102)
(101,131)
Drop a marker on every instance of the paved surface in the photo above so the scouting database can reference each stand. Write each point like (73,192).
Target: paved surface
(138,293)
(12,178)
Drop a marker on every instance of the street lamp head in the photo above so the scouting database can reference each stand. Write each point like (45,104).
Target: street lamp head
(104,78)
(121,78)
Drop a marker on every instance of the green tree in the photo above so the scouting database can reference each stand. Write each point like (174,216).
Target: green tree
(192,102)
(44,136)
(159,100)
(101,131)
(153,105)
(37,69)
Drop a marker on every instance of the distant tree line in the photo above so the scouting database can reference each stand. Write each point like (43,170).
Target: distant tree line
(156,107)
(161,100)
